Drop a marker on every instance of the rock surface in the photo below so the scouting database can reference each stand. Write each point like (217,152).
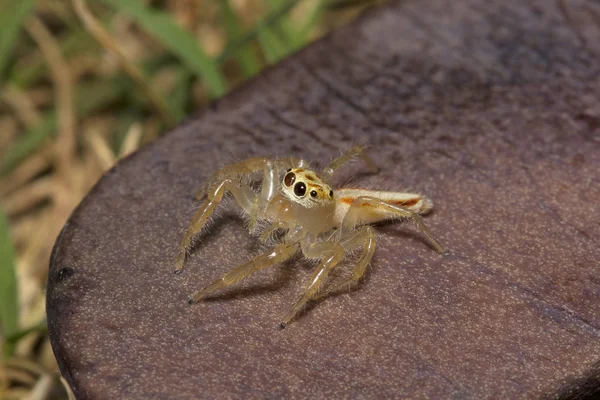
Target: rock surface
(489,107)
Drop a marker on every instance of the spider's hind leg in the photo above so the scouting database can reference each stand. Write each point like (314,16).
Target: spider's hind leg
(364,206)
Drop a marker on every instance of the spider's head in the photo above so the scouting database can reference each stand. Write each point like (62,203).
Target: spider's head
(304,187)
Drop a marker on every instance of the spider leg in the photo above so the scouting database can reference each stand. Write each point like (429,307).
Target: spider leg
(330,253)
(269,186)
(266,234)
(279,254)
(365,236)
(243,195)
(367,204)
(243,169)
(230,179)
(346,157)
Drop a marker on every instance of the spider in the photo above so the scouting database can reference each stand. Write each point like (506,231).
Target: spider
(324,224)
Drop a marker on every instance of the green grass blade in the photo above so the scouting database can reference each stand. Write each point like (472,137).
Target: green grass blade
(246,58)
(29,142)
(303,34)
(267,23)
(90,98)
(40,327)
(273,48)
(12,15)
(9,307)
(283,27)
(77,41)
(181,94)
(177,40)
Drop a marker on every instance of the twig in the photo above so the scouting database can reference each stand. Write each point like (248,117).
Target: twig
(132,140)
(101,150)
(29,196)
(105,39)
(41,390)
(27,170)
(270,20)
(63,85)
(23,106)
(68,389)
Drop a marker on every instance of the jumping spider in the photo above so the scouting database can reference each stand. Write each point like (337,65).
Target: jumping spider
(324,224)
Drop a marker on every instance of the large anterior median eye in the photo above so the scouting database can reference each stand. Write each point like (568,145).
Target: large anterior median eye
(289,179)
(300,189)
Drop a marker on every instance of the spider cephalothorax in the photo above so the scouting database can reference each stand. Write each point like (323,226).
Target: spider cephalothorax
(321,222)
(305,187)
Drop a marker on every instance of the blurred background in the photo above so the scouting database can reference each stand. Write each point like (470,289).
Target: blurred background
(84,83)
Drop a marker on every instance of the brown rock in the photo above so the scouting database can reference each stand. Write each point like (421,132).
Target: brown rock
(488,107)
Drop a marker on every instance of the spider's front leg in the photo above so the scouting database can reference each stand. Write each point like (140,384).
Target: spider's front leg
(247,167)
(348,155)
(230,179)
(330,253)
(242,194)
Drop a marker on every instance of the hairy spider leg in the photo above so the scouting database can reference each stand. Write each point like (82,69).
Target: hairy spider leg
(278,254)
(225,180)
(348,156)
(242,194)
(268,190)
(228,179)
(245,168)
(330,253)
(364,236)
(365,204)
(233,172)
(267,233)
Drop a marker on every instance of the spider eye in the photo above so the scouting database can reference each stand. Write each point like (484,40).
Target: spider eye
(331,194)
(300,189)
(289,179)
(313,193)
(288,170)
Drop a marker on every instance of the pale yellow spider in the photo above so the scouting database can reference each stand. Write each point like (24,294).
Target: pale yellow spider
(324,224)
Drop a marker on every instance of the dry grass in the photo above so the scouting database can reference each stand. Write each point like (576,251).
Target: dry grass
(86,85)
